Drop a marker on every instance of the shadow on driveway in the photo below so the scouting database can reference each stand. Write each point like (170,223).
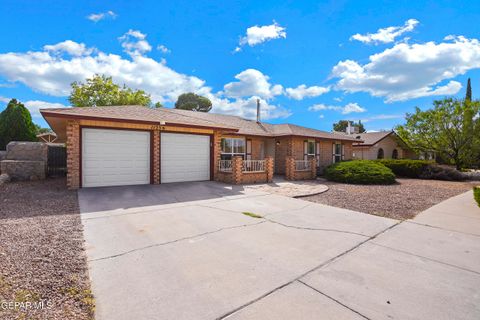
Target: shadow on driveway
(126,197)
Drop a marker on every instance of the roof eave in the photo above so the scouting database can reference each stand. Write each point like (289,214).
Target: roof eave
(45,113)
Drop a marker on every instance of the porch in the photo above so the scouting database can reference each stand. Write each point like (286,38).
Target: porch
(240,171)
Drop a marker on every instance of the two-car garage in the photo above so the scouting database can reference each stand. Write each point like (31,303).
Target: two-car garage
(113,157)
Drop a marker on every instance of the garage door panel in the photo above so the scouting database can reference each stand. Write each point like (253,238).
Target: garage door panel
(115,157)
(185,157)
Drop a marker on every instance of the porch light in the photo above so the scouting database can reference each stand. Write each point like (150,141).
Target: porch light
(278,142)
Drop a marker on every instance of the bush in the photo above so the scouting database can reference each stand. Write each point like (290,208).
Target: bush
(360,172)
(476,194)
(406,168)
(442,173)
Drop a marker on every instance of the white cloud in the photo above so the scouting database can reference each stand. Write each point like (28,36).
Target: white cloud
(383,117)
(134,43)
(50,73)
(408,71)
(256,35)
(386,35)
(95,17)
(163,49)
(302,91)
(247,107)
(35,105)
(252,83)
(348,108)
(70,47)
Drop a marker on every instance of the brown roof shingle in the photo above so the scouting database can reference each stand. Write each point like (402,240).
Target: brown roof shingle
(199,119)
(370,138)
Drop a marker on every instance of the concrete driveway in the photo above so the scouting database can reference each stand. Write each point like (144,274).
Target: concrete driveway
(186,251)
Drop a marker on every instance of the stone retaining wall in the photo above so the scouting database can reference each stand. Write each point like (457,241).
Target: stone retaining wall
(23,169)
(24,160)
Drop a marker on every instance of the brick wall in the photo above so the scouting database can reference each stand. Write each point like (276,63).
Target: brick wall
(156,157)
(73,154)
(292,174)
(282,150)
(237,176)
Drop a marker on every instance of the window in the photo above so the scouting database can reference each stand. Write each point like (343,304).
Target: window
(380,154)
(395,154)
(311,148)
(337,152)
(232,147)
(308,149)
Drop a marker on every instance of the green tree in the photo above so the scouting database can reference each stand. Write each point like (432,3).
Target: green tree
(341,126)
(468,96)
(158,105)
(16,124)
(39,130)
(449,129)
(100,90)
(194,102)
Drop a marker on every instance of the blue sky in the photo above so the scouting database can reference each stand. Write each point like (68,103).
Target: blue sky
(310,62)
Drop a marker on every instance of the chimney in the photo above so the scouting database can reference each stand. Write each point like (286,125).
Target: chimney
(258,110)
(349,127)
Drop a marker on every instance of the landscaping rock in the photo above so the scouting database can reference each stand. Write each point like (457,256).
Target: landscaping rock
(4,178)
(31,151)
(23,170)
(472,175)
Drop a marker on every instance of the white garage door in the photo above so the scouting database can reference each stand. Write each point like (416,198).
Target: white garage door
(184,157)
(115,157)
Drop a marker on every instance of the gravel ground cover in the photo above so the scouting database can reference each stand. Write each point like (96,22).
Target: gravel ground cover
(42,261)
(402,200)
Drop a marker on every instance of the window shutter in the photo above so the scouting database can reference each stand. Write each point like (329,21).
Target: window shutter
(248,150)
(343,152)
(305,150)
(317,153)
(333,152)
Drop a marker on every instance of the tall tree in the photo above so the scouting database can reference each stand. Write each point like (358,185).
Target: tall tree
(16,124)
(100,90)
(194,102)
(448,129)
(468,96)
(342,125)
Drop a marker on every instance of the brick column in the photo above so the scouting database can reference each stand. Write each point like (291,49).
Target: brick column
(237,169)
(313,167)
(217,138)
(269,166)
(73,154)
(289,168)
(156,157)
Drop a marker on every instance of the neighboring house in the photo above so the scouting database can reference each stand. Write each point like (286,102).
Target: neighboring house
(381,145)
(126,145)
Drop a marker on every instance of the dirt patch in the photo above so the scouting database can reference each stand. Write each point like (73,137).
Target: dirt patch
(402,200)
(42,258)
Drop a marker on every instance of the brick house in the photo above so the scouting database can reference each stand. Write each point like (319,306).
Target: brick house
(381,145)
(126,145)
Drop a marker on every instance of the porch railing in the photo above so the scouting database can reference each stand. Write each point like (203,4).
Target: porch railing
(253,165)
(302,165)
(225,165)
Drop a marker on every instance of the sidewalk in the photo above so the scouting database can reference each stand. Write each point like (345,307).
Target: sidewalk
(425,268)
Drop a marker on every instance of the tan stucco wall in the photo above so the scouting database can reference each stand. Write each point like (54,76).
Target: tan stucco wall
(388,144)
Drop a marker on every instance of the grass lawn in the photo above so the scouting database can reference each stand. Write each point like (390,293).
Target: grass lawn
(402,200)
(42,256)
